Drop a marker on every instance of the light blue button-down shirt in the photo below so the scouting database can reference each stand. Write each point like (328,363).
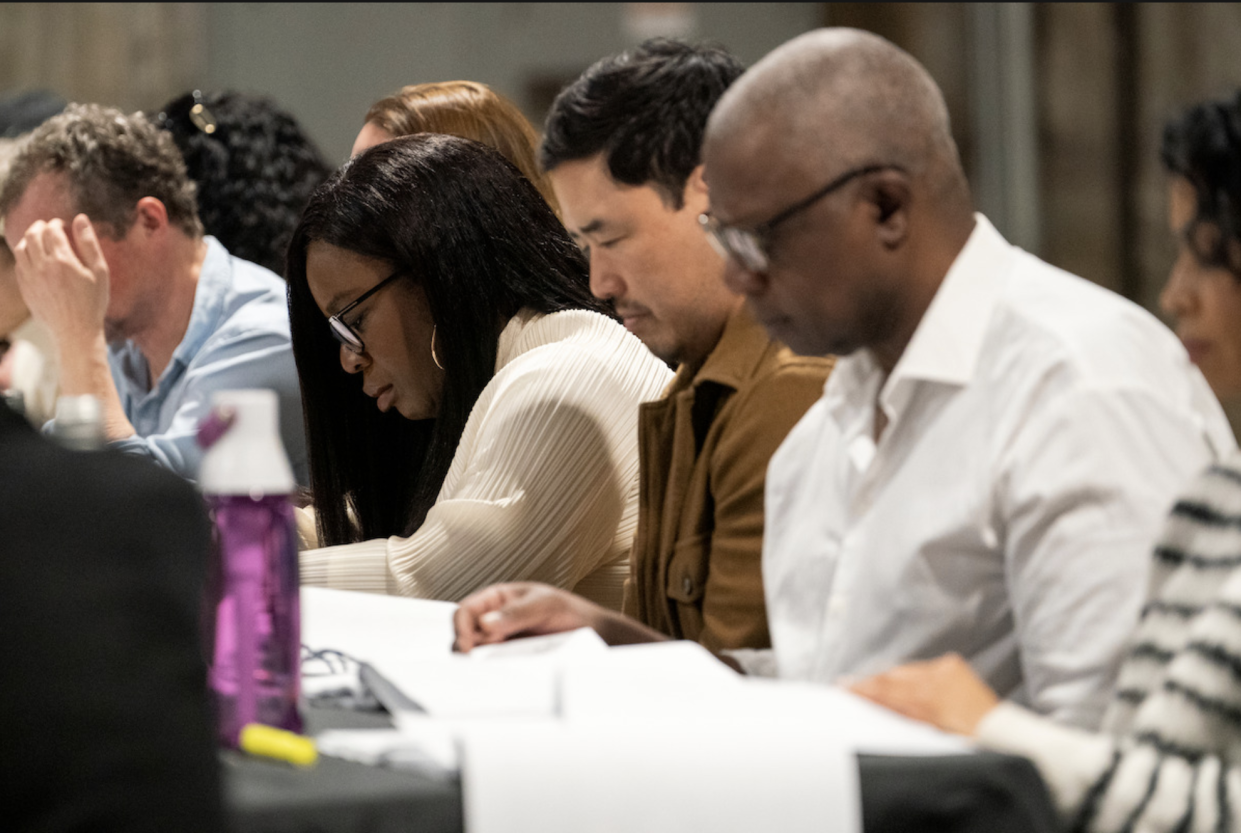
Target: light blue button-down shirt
(238,337)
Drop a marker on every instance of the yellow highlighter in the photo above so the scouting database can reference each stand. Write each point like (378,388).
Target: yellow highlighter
(271,742)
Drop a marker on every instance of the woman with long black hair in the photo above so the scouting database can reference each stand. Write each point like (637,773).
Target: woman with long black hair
(471,408)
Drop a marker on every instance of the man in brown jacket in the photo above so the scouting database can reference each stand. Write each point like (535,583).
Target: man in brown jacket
(622,152)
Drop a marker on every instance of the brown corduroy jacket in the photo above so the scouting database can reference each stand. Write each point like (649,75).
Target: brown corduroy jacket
(696,563)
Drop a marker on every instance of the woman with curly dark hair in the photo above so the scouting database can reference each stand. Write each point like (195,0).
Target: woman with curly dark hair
(254,166)
(1202,155)
(471,409)
(1168,754)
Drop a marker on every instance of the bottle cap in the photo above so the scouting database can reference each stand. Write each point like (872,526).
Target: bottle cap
(245,455)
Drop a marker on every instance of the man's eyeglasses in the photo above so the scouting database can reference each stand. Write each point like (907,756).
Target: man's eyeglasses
(749,246)
(344,333)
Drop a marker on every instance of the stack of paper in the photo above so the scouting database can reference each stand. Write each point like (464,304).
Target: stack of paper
(563,733)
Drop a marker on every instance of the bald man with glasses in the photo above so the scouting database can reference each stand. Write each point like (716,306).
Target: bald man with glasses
(990,459)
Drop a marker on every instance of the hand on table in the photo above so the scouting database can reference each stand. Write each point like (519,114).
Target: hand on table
(505,611)
(64,278)
(944,692)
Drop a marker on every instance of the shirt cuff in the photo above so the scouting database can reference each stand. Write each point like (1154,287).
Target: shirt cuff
(1069,759)
(755,662)
(362,567)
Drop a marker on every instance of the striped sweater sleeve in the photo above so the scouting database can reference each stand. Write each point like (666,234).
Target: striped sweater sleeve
(1170,758)
(1141,782)
(536,491)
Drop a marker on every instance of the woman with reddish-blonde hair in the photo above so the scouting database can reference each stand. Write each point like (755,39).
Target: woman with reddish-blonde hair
(458,108)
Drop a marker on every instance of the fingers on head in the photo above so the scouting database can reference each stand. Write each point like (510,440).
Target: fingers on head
(32,241)
(87,240)
(51,230)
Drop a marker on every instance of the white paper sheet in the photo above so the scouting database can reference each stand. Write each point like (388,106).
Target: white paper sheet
(658,776)
(564,734)
(682,680)
(410,642)
(382,630)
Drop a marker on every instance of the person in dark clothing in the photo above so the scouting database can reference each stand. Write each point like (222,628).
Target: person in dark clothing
(106,724)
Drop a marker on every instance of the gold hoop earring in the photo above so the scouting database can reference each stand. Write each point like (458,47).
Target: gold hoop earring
(434,357)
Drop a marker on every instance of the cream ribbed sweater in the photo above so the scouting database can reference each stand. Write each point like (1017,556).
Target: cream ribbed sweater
(544,483)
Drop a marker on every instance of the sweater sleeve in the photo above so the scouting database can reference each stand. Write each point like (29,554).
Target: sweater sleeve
(535,492)
(1100,783)
(1070,760)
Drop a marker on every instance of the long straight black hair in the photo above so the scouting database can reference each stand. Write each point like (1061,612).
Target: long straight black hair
(465,225)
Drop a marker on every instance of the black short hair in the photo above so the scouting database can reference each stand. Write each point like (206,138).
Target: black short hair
(459,219)
(1203,146)
(645,109)
(254,166)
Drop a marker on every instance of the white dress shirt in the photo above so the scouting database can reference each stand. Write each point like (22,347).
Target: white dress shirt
(1039,427)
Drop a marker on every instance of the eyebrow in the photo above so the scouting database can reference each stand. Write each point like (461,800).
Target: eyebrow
(338,302)
(591,227)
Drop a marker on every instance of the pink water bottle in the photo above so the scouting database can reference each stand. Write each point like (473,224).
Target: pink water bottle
(254,673)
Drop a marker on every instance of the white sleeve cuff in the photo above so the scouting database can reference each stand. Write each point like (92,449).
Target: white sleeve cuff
(362,567)
(1070,760)
(755,662)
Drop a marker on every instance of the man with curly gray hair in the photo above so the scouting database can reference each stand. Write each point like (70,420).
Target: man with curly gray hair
(148,314)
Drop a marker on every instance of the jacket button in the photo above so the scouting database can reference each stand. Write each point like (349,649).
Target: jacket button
(687,585)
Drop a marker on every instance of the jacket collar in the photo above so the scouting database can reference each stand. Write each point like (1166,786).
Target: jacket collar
(743,341)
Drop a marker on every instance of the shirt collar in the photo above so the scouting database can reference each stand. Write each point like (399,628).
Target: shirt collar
(947,341)
(215,280)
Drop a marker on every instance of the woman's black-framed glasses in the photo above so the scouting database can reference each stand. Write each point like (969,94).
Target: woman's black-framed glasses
(748,246)
(342,331)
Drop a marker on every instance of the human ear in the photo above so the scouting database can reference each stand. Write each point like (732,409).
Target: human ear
(888,197)
(152,215)
(696,195)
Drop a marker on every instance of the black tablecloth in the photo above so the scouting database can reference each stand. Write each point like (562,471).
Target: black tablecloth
(984,793)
